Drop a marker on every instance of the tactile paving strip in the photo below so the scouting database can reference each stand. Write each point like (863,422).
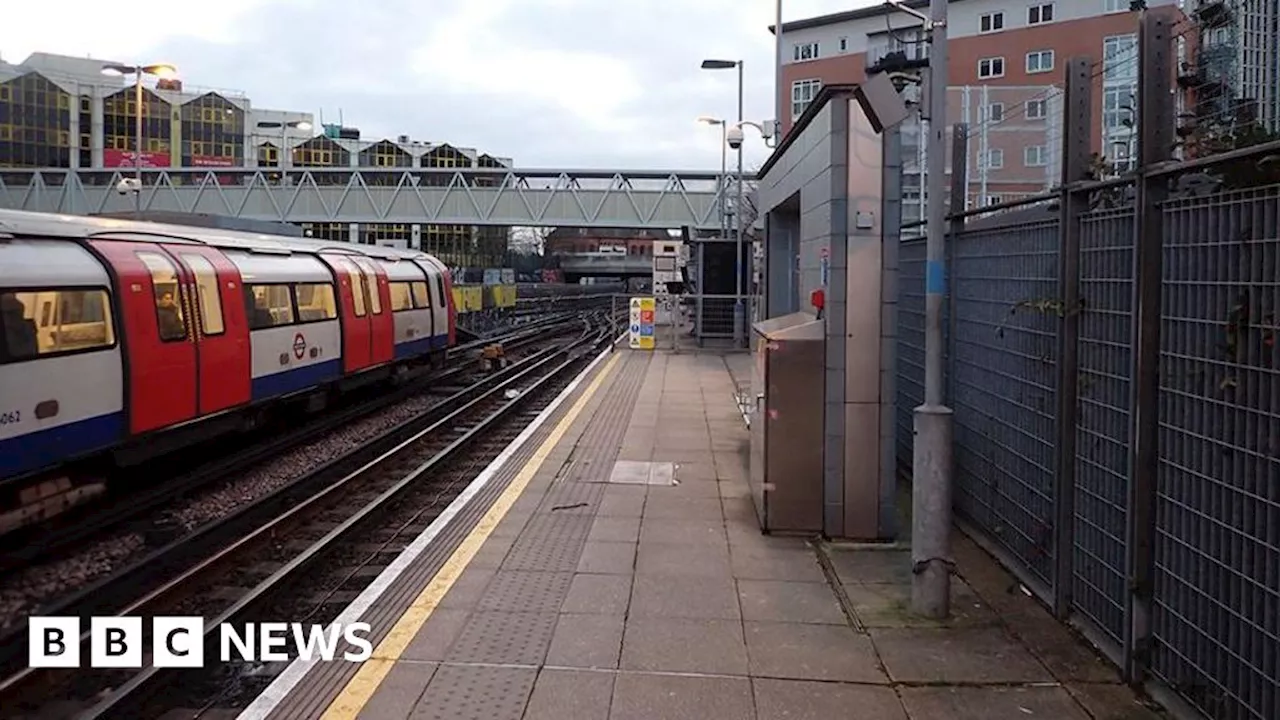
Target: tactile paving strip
(550,543)
(572,498)
(522,591)
(504,638)
(476,693)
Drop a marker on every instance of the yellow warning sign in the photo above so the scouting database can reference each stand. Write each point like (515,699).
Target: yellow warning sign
(642,323)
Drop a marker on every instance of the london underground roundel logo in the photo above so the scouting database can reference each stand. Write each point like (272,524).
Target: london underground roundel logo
(299,346)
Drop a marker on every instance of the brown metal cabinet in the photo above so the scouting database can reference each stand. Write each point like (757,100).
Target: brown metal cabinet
(786,423)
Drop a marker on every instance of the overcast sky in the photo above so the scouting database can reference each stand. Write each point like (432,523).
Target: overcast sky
(550,83)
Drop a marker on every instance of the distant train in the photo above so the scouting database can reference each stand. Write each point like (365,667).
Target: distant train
(117,335)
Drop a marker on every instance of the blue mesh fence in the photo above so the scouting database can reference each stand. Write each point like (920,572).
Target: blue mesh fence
(910,355)
(1102,424)
(1217,602)
(1004,285)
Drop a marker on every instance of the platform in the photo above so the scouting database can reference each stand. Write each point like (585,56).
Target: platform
(580,582)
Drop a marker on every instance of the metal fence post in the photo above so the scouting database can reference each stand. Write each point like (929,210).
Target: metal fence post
(959,191)
(1155,144)
(1072,206)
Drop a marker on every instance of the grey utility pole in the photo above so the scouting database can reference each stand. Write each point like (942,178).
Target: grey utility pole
(931,457)
(739,319)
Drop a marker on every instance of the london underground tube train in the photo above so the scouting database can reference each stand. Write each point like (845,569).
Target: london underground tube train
(128,339)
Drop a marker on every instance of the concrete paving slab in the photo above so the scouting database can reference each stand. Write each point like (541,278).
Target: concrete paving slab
(586,641)
(989,703)
(783,601)
(807,700)
(956,655)
(598,594)
(614,558)
(811,652)
(570,695)
(684,646)
(640,696)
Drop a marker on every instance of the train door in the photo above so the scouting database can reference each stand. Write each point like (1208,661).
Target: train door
(156,313)
(353,302)
(219,326)
(444,283)
(440,315)
(382,331)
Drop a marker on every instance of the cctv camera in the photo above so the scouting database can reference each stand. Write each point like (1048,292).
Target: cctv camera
(735,138)
(128,185)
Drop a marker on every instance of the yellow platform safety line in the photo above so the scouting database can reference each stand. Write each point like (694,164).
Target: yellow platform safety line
(360,689)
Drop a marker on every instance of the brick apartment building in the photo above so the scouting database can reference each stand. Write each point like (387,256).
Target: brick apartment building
(1007,59)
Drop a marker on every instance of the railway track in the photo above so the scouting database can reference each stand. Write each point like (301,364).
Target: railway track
(298,554)
(29,546)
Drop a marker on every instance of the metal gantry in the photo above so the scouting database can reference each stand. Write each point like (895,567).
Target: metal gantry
(656,199)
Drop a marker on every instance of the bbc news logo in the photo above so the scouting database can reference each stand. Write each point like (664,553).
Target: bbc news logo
(178,642)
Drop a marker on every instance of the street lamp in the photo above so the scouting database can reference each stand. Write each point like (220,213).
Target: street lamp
(162,71)
(738,319)
(284,133)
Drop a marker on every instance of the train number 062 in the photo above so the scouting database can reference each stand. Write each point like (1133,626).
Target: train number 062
(10,417)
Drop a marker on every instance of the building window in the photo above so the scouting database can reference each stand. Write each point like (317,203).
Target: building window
(995,160)
(1040,61)
(385,154)
(844,44)
(119,113)
(994,199)
(1038,14)
(802,93)
(991,22)
(1035,156)
(991,67)
(453,244)
(806,51)
(1115,6)
(1036,109)
(995,112)
(35,123)
(1120,58)
(394,234)
(212,132)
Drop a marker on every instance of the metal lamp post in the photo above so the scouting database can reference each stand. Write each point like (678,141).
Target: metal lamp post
(163,71)
(737,211)
(284,133)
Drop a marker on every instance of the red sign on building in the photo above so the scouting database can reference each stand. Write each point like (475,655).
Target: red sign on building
(124,158)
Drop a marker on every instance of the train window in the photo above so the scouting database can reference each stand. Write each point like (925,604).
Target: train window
(170,317)
(440,290)
(375,301)
(207,298)
(357,289)
(401,297)
(421,296)
(269,306)
(315,302)
(44,322)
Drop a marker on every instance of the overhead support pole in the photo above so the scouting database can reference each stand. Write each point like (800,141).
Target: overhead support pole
(931,458)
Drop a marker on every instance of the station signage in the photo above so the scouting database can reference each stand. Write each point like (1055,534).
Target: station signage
(641,319)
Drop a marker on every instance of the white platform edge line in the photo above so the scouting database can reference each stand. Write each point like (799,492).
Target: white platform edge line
(283,685)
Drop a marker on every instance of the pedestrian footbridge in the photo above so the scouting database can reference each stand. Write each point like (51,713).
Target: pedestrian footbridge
(501,197)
